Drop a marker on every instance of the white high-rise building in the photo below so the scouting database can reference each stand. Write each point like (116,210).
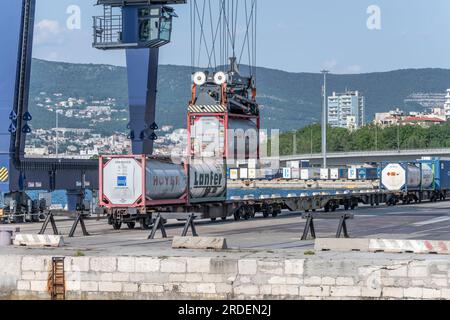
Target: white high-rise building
(346,110)
(447,105)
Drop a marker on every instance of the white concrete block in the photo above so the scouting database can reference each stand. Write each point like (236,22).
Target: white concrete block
(74,286)
(130,287)
(214,278)
(312,281)
(294,267)
(440,281)
(188,288)
(206,288)
(121,277)
(194,277)
(344,281)
(103,264)
(224,288)
(39,286)
(38,240)
(370,293)
(345,292)
(110,287)
(417,272)
(328,281)
(391,292)
(198,265)
(277,280)
(431,293)
(152,288)
(106,276)
(397,271)
(173,265)
(81,264)
(177,277)
(247,290)
(247,267)
(23,285)
(413,293)
(285,290)
(445,294)
(126,264)
(341,245)
(89,286)
(271,267)
(265,289)
(147,265)
(294,280)
(199,243)
(310,291)
(35,263)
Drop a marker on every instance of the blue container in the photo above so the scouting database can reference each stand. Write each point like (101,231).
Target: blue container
(367,173)
(441,171)
(343,173)
(305,164)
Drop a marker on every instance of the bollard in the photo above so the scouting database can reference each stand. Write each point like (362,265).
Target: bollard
(6,238)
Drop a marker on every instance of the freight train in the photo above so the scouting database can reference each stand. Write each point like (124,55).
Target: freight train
(133,188)
(416,181)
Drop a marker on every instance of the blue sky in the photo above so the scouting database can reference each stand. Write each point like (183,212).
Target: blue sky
(294,35)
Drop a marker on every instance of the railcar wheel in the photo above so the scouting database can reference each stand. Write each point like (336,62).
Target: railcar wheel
(224,218)
(213,219)
(131,225)
(117,225)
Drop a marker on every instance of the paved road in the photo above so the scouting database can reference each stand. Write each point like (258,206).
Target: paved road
(425,221)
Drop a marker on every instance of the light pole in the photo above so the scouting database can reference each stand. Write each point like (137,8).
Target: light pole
(56,140)
(324,119)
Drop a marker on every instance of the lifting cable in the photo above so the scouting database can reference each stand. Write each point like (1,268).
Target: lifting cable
(220,28)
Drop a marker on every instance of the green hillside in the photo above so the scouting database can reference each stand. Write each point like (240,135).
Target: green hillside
(290,100)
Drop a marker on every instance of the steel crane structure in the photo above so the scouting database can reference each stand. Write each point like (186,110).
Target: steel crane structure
(138,26)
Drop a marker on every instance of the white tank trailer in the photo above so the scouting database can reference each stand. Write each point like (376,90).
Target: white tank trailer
(124,181)
(411,181)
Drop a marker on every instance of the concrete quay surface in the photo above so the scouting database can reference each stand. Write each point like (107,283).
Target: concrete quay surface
(267,260)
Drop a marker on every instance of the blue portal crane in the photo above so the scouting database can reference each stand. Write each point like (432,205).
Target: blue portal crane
(138,26)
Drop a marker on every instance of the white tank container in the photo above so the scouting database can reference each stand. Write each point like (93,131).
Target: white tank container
(397,177)
(207,180)
(165,180)
(427,176)
(122,181)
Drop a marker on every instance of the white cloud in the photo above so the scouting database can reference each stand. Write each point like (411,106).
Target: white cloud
(48,32)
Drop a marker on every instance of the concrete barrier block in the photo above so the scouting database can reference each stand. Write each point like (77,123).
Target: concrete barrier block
(38,240)
(413,246)
(203,243)
(342,245)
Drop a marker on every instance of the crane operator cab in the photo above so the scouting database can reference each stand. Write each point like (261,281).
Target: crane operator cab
(134,24)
